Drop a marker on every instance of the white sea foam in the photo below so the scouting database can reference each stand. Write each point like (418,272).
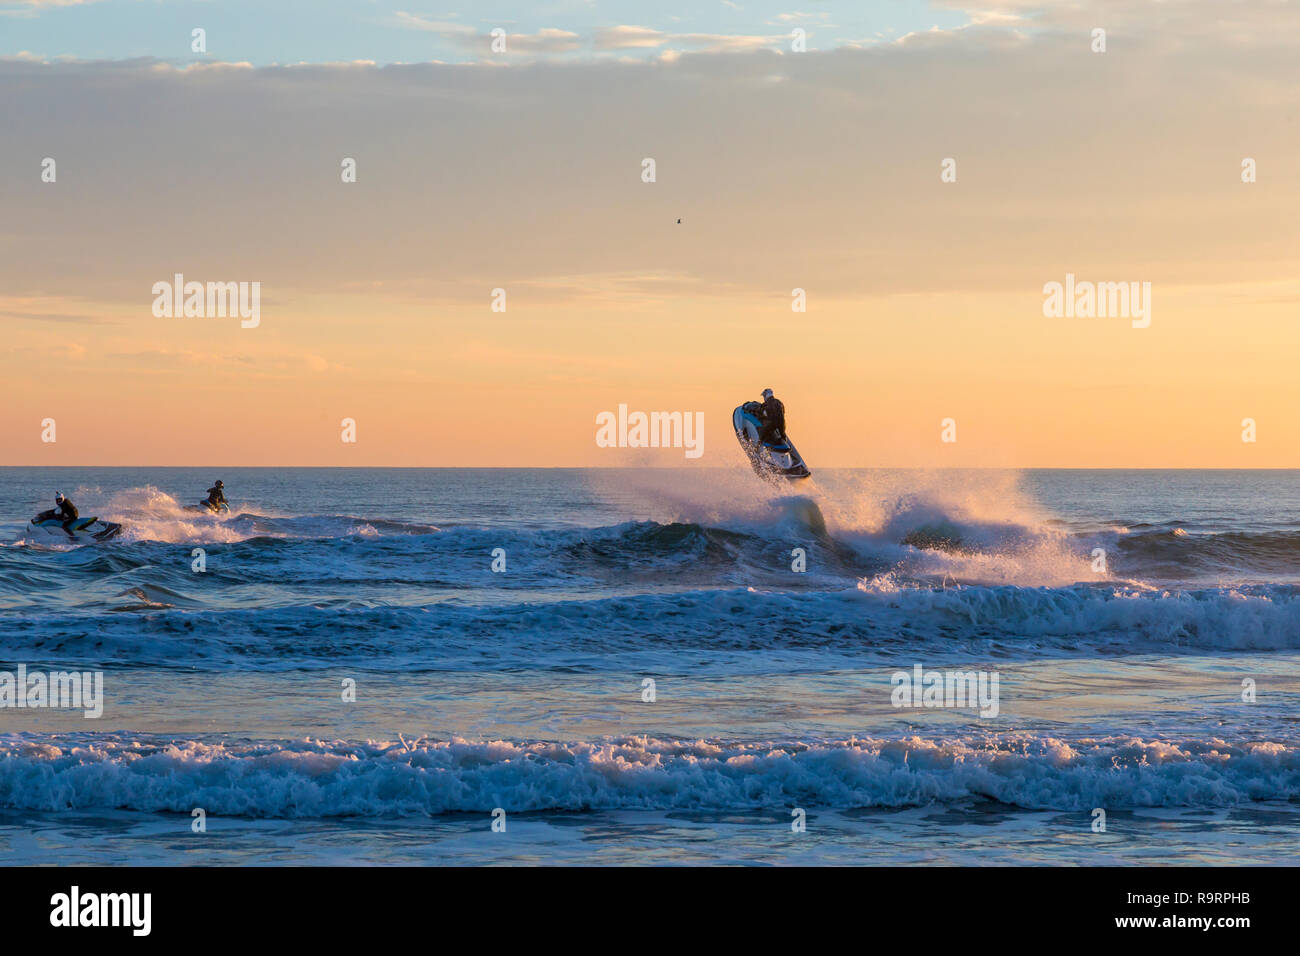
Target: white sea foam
(317,779)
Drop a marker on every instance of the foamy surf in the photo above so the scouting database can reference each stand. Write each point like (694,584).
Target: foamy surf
(311,778)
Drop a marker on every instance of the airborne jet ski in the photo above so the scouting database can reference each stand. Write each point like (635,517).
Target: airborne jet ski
(770,459)
(49,525)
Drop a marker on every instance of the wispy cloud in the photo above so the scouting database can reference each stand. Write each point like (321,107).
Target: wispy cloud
(31,8)
(62,318)
(546,40)
(635,37)
(629,38)
(416,21)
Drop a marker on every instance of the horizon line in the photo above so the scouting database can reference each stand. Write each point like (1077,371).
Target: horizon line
(687,469)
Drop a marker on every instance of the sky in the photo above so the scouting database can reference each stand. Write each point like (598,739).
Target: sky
(265,32)
(818,169)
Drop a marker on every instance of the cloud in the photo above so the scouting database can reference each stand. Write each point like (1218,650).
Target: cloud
(544,41)
(63,351)
(416,21)
(319,364)
(1000,17)
(628,37)
(32,8)
(547,40)
(723,42)
(56,317)
(786,169)
(634,37)
(59,310)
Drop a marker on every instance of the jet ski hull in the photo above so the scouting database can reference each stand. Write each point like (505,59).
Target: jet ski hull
(769,460)
(205,507)
(84,530)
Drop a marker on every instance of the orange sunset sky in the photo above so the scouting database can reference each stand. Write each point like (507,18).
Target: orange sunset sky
(817,170)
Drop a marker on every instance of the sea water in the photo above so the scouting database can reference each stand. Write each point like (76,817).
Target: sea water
(666,666)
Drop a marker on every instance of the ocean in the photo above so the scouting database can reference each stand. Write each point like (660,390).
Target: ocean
(656,666)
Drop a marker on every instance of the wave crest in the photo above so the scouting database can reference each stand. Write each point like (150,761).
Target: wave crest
(375,779)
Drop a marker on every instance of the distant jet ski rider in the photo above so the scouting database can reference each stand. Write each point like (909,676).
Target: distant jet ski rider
(217,496)
(66,512)
(772,415)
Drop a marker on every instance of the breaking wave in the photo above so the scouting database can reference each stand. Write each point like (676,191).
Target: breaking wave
(312,778)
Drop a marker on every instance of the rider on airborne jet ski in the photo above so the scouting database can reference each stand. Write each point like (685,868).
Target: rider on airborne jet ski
(772,414)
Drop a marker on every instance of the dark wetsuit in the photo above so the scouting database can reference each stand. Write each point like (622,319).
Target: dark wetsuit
(216,497)
(773,415)
(68,512)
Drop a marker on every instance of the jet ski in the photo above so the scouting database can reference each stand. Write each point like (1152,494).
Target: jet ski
(778,459)
(49,525)
(207,507)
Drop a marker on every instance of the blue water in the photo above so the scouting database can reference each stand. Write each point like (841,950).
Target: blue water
(1120,682)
